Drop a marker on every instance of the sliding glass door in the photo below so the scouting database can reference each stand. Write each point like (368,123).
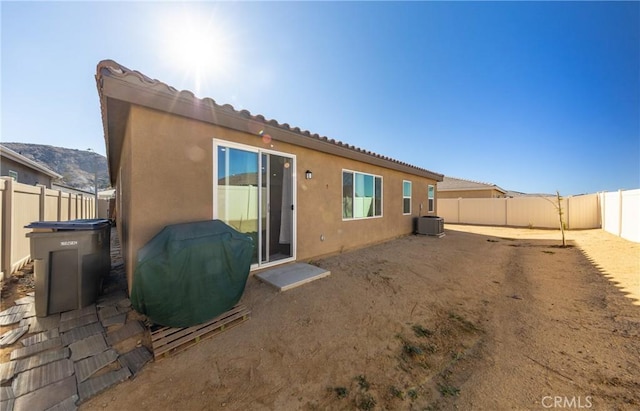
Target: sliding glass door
(254,193)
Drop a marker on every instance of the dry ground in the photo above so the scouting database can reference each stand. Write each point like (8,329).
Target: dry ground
(483,318)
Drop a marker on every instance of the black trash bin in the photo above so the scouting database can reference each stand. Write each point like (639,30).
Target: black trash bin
(71,258)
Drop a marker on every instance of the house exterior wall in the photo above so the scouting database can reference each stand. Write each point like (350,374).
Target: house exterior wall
(166,176)
(489,193)
(26,175)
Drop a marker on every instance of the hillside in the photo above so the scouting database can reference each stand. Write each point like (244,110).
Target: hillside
(76,166)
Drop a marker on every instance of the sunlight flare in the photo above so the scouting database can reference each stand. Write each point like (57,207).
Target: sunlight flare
(203,49)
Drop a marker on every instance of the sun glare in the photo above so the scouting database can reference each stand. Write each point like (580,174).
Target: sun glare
(201,48)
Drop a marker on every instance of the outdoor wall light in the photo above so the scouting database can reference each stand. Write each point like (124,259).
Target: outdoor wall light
(308,175)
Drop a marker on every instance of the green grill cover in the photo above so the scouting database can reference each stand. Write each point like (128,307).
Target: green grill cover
(191,273)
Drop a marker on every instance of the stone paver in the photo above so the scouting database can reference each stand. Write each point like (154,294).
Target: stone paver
(35,348)
(14,310)
(136,359)
(40,337)
(48,396)
(56,369)
(7,371)
(35,378)
(96,385)
(78,322)
(128,330)
(39,324)
(42,359)
(12,336)
(12,318)
(89,366)
(88,346)
(25,300)
(77,334)
(81,312)
(67,405)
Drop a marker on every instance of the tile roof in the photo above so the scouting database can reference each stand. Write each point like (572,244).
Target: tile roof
(110,68)
(451,184)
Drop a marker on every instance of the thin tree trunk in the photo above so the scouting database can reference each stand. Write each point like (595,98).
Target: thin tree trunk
(560,216)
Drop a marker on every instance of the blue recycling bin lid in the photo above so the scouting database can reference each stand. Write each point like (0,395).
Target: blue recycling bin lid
(72,225)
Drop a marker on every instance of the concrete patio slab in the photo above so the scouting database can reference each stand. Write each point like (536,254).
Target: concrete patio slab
(290,276)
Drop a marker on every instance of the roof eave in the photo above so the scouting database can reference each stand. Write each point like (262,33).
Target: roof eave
(28,162)
(133,88)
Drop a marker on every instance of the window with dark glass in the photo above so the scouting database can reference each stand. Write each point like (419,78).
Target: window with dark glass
(361,195)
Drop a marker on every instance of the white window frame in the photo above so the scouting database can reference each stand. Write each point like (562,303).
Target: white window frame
(404,197)
(431,200)
(353,195)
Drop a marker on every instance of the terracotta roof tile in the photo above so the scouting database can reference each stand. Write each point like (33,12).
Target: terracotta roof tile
(117,70)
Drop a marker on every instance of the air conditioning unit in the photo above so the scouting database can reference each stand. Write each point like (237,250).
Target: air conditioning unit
(430,225)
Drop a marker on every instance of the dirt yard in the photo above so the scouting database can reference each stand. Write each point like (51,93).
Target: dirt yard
(483,318)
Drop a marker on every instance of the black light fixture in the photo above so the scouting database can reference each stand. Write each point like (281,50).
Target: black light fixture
(308,175)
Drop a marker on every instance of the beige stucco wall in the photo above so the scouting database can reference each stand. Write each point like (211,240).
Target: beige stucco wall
(166,177)
(26,175)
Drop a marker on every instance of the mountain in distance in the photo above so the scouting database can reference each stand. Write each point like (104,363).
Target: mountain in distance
(77,167)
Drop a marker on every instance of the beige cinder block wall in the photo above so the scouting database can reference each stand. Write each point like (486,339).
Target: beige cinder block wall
(166,177)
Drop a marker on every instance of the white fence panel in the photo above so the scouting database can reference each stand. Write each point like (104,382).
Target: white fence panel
(630,215)
(539,212)
(484,211)
(583,212)
(615,212)
(448,209)
(611,212)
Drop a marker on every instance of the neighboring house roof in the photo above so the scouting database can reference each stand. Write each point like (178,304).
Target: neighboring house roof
(111,193)
(19,158)
(119,86)
(520,194)
(459,184)
(69,189)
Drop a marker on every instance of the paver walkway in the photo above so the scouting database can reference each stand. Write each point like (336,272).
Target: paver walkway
(66,358)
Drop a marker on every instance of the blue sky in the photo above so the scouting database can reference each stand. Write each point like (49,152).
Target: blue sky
(531,96)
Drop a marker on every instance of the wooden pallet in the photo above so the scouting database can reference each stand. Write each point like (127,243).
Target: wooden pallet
(168,341)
